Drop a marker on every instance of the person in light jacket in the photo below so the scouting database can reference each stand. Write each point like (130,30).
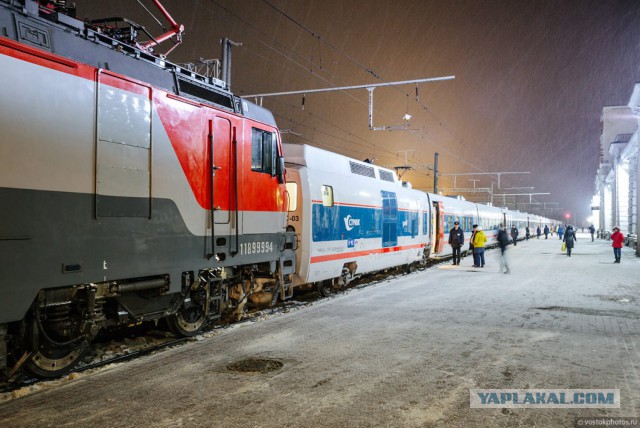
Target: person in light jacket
(479,240)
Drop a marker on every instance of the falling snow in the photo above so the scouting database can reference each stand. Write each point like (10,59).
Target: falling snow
(531,80)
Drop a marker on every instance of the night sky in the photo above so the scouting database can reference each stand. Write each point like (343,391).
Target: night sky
(531,80)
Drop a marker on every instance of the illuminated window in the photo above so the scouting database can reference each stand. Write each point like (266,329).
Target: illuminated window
(327,196)
(292,193)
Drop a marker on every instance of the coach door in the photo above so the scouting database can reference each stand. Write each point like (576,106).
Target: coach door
(389,219)
(437,226)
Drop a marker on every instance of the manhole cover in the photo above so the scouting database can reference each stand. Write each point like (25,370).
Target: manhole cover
(256,365)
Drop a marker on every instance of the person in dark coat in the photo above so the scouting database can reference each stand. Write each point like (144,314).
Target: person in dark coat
(503,242)
(514,235)
(569,238)
(456,240)
(546,232)
(560,232)
(592,230)
(473,233)
(527,233)
(538,232)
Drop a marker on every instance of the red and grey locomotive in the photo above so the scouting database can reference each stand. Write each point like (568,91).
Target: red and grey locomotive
(131,189)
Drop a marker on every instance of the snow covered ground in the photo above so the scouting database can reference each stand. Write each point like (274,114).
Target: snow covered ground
(404,352)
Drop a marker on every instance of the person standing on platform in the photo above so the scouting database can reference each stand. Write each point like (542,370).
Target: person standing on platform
(546,232)
(617,239)
(527,233)
(456,240)
(592,230)
(569,238)
(479,240)
(503,242)
(538,232)
(473,233)
(514,235)
(560,232)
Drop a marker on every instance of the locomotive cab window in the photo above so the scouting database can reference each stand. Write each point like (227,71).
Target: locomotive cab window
(263,151)
(327,196)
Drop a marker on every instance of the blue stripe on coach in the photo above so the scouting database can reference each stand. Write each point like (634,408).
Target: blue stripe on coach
(341,222)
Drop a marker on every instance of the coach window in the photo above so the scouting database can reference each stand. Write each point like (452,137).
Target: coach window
(292,195)
(263,151)
(327,196)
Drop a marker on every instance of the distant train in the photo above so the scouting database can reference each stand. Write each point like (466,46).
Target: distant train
(133,190)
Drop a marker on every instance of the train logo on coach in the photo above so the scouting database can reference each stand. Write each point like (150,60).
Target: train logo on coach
(350,222)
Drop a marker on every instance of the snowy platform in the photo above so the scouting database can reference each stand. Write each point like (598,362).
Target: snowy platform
(404,352)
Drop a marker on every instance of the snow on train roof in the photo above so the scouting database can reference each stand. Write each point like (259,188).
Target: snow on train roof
(316,158)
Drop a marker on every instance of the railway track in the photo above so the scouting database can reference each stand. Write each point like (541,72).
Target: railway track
(127,353)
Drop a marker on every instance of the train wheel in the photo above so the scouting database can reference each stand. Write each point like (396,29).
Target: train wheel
(325,288)
(54,358)
(188,321)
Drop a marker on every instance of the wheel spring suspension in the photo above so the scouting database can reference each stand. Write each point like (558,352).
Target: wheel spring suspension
(57,320)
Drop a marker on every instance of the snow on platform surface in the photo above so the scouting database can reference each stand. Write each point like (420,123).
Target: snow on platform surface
(404,353)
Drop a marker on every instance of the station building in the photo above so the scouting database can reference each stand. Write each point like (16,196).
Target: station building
(615,201)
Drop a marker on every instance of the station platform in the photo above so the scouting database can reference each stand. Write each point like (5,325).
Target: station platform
(404,352)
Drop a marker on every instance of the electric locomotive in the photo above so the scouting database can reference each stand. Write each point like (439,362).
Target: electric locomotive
(131,189)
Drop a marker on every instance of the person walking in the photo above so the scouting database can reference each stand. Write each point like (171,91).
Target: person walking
(503,243)
(560,232)
(617,239)
(456,240)
(569,238)
(546,232)
(538,232)
(592,230)
(527,233)
(514,235)
(479,240)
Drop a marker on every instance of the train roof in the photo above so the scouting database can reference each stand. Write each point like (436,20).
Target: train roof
(316,158)
(89,43)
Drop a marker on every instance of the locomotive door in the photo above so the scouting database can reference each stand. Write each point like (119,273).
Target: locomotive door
(389,219)
(437,227)
(221,184)
(221,169)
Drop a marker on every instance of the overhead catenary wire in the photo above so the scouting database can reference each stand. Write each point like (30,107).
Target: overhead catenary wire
(309,66)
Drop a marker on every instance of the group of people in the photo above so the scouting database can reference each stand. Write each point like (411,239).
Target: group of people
(476,244)
(478,241)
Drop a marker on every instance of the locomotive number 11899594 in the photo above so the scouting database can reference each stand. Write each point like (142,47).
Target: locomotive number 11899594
(256,247)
